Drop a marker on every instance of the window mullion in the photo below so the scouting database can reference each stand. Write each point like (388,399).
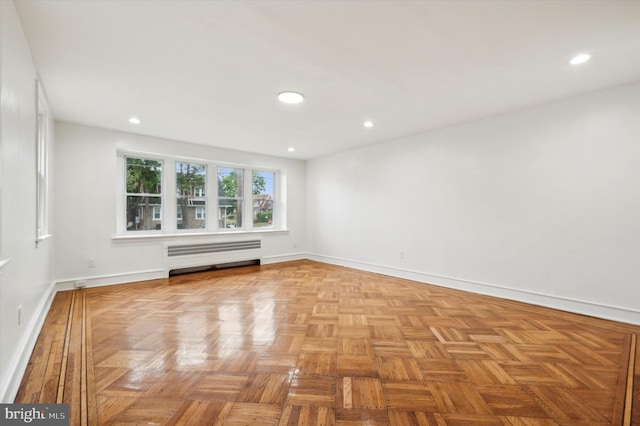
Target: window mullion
(170,211)
(280,200)
(212,197)
(247,205)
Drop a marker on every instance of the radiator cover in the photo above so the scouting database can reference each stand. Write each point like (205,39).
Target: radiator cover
(180,256)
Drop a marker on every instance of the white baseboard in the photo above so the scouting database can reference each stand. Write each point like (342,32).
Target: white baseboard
(268,260)
(9,388)
(615,313)
(110,279)
(11,385)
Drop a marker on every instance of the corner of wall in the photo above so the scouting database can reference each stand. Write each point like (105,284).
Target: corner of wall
(613,313)
(24,348)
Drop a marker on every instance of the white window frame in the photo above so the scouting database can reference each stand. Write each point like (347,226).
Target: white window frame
(122,205)
(274,198)
(201,212)
(157,209)
(242,199)
(42,166)
(202,191)
(169,202)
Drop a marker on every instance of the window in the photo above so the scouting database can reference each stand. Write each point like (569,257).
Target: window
(197,196)
(262,196)
(191,202)
(144,194)
(42,178)
(200,213)
(230,201)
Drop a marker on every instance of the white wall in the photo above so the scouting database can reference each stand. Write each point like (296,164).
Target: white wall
(26,277)
(540,205)
(87,179)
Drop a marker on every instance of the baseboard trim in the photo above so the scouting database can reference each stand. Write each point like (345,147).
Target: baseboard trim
(9,388)
(614,313)
(111,279)
(18,366)
(268,260)
(152,274)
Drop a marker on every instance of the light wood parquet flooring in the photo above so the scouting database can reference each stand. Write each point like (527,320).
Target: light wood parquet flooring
(304,343)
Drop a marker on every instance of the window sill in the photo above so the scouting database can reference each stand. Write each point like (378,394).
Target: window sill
(160,237)
(42,239)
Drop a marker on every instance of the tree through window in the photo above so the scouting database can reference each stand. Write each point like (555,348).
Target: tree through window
(230,198)
(191,201)
(263,197)
(144,193)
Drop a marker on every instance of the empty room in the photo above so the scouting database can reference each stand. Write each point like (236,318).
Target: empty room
(320,212)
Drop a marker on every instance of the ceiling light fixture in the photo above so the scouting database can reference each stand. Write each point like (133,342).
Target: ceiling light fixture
(135,120)
(368,124)
(291,149)
(580,59)
(290,97)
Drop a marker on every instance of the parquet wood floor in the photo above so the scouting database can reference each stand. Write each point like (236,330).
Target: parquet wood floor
(304,343)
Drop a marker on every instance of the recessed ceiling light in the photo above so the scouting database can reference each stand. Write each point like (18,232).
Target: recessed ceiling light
(135,120)
(291,149)
(368,124)
(290,97)
(580,59)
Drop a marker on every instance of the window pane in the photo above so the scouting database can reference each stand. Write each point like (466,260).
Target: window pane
(144,200)
(200,213)
(191,201)
(229,213)
(230,184)
(262,191)
(144,176)
(140,213)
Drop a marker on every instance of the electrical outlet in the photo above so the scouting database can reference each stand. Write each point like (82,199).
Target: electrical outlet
(19,315)
(80,284)
(91,263)
(401,255)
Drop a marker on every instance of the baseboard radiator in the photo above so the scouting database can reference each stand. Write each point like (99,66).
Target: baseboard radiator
(185,258)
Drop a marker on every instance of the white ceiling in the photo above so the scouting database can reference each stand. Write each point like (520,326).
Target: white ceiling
(209,71)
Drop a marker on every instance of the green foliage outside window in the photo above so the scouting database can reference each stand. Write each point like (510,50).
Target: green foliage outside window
(190,187)
(143,176)
(229,183)
(144,192)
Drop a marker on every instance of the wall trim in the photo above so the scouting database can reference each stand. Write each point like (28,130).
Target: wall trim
(9,389)
(154,235)
(599,310)
(111,279)
(268,260)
